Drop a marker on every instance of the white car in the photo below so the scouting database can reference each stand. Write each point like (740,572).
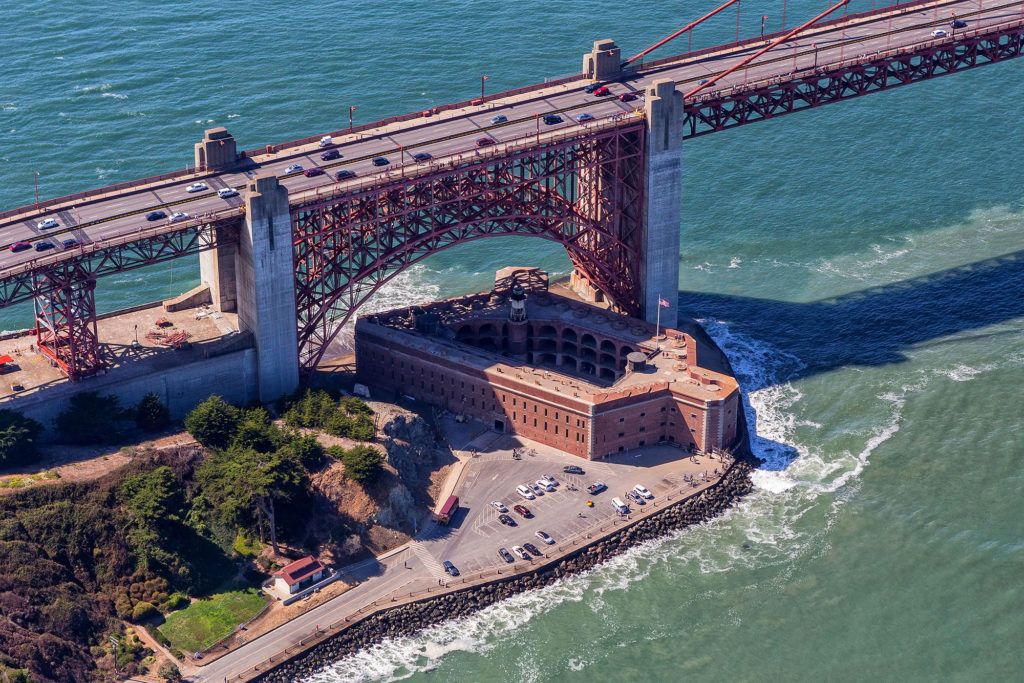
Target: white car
(500,118)
(544,537)
(294,168)
(521,552)
(196,187)
(178,216)
(938,33)
(525,492)
(499,506)
(227,192)
(544,485)
(47,223)
(642,490)
(549,480)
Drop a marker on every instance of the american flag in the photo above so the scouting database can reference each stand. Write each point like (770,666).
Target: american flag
(663,302)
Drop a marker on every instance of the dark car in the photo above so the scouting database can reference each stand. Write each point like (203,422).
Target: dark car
(505,555)
(68,244)
(380,161)
(506,520)
(552,119)
(597,487)
(573,469)
(330,154)
(523,510)
(422,156)
(584,117)
(21,246)
(627,97)
(344,174)
(310,172)
(483,142)
(155,215)
(603,90)
(44,246)
(592,87)
(532,548)
(958,23)
(636,498)
(450,568)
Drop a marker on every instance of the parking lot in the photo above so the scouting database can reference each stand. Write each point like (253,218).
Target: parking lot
(472,540)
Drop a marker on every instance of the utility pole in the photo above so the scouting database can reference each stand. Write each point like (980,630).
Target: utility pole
(350,110)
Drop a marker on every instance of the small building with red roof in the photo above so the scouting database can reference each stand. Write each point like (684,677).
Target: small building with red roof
(299,575)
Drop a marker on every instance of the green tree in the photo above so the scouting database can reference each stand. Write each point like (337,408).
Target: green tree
(155,497)
(18,436)
(362,463)
(256,431)
(169,672)
(213,422)
(151,414)
(307,450)
(91,419)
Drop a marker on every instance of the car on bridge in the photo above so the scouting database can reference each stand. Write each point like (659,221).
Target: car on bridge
(21,246)
(155,215)
(958,23)
(330,154)
(552,119)
(315,171)
(44,246)
(500,118)
(47,224)
(592,87)
(584,117)
(345,174)
(380,161)
(71,243)
(627,97)
(178,216)
(483,142)
(294,168)
(226,192)
(196,187)
(422,156)
(938,33)
(601,91)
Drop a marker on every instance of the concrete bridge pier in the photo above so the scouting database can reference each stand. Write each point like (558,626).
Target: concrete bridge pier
(663,181)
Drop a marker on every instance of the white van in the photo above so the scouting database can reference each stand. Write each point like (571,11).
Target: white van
(619,506)
(525,492)
(325,141)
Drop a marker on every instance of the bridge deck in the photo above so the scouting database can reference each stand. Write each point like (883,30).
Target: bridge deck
(106,215)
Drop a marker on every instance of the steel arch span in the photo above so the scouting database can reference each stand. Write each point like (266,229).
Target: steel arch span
(584,191)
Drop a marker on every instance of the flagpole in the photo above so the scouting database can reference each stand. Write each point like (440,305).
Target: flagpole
(657,325)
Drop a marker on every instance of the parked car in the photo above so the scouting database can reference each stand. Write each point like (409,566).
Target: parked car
(525,492)
(345,174)
(499,506)
(537,490)
(544,485)
(627,97)
(21,246)
(504,554)
(196,187)
(544,537)
(422,156)
(573,469)
(523,510)
(642,490)
(155,215)
(551,481)
(294,168)
(552,119)
(47,224)
(506,520)
(500,118)
(315,171)
(330,154)
(521,552)
(597,487)
(584,117)
(380,161)
(225,192)
(44,246)
(636,498)
(533,549)
(620,506)
(450,568)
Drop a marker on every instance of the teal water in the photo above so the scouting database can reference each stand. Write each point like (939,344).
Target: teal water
(861,263)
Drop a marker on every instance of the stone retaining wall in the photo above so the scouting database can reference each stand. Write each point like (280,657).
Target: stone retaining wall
(411,618)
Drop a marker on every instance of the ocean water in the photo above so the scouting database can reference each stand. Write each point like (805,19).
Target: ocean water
(861,263)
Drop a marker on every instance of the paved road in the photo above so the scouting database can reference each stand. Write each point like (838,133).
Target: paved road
(456,132)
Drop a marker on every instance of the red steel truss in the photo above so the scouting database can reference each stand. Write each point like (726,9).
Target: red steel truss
(66,320)
(759,101)
(584,192)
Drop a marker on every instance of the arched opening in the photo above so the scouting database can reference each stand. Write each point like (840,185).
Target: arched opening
(569,335)
(608,346)
(588,341)
(607,375)
(568,363)
(587,368)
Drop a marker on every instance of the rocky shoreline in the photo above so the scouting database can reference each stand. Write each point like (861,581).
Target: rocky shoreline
(411,618)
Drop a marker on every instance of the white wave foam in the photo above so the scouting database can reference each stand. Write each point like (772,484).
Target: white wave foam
(91,88)
(233,116)
(735,262)
(115,95)
(8,106)
(964,373)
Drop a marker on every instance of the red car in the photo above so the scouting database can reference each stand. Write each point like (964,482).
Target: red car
(603,90)
(627,97)
(483,142)
(20,246)
(310,172)
(523,510)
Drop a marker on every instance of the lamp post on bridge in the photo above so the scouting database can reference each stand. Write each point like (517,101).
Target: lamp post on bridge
(763,17)
(35,181)
(350,110)
(482,80)
(814,46)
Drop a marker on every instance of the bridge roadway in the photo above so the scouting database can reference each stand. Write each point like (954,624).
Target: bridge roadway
(106,215)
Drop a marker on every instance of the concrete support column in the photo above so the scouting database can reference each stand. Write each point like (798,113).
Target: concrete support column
(217,271)
(663,171)
(603,62)
(216,151)
(266,286)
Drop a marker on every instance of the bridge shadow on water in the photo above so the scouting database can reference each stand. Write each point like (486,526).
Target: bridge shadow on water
(869,328)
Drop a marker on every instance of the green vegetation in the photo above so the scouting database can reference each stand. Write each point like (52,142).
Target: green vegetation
(204,622)
(213,422)
(91,419)
(169,672)
(317,409)
(18,436)
(362,463)
(151,415)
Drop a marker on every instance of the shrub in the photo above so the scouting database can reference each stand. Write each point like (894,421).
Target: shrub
(169,672)
(18,436)
(176,653)
(90,419)
(175,602)
(362,463)
(151,414)
(143,610)
(213,422)
(158,636)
